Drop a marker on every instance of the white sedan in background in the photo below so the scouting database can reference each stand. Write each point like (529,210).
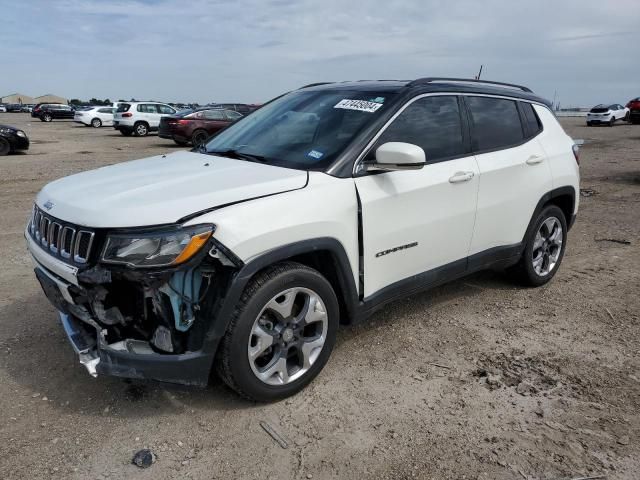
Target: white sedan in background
(95,116)
(607,114)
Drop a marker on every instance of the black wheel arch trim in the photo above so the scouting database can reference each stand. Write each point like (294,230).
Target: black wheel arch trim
(545,199)
(246,272)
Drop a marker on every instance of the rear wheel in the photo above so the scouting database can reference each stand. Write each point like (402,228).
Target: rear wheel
(96,123)
(281,334)
(544,249)
(141,129)
(199,137)
(47,117)
(5,147)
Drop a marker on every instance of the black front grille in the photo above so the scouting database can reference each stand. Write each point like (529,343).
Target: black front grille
(66,241)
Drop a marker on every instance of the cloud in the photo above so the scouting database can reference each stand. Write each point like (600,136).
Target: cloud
(252,50)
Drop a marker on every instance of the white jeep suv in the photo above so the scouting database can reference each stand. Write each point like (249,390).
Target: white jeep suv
(314,211)
(140,118)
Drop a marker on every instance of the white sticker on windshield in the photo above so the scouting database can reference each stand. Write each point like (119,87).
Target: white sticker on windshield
(360,105)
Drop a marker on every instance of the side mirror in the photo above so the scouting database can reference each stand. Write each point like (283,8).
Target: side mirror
(393,156)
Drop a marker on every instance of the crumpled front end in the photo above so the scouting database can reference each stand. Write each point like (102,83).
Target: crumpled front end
(153,323)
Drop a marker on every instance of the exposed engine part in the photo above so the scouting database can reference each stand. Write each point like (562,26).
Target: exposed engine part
(162,339)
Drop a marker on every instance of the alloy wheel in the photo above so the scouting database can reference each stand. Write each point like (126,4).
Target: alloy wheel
(287,336)
(141,130)
(547,246)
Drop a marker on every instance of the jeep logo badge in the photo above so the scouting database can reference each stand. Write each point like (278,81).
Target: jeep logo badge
(48,205)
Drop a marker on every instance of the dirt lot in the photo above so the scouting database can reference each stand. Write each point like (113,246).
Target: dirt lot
(529,384)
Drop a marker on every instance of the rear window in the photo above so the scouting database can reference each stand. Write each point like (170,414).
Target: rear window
(123,107)
(147,108)
(496,123)
(213,114)
(532,123)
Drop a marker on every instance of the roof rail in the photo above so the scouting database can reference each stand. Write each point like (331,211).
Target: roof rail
(423,81)
(314,85)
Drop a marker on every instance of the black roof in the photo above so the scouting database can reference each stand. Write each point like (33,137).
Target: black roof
(434,84)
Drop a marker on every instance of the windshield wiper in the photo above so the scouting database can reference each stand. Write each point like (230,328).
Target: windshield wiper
(233,153)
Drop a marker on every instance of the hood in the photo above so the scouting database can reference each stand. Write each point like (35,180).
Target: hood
(161,189)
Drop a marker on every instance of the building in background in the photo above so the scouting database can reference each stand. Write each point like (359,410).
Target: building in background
(50,98)
(19,98)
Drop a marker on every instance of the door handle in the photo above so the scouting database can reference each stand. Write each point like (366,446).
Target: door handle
(534,160)
(460,177)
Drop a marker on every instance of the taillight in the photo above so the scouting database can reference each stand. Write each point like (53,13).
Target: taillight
(183,122)
(576,153)
(127,115)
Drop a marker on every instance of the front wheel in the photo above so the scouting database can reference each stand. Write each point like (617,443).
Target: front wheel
(544,248)
(5,147)
(281,334)
(612,121)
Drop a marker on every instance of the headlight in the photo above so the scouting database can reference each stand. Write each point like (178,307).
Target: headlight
(156,249)
(20,133)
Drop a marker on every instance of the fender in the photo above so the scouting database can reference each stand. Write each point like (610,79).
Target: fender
(555,193)
(239,282)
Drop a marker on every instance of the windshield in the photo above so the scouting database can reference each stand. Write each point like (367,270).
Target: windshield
(305,130)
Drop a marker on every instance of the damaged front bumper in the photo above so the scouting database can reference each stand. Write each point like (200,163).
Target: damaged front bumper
(158,325)
(133,358)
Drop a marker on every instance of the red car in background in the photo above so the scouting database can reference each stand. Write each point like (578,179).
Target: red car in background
(634,110)
(196,126)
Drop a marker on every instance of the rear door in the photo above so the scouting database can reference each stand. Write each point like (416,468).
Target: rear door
(149,113)
(106,115)
(514,171)
(215,120)
(416,221)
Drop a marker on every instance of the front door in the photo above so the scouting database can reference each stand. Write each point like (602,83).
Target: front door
(420,220)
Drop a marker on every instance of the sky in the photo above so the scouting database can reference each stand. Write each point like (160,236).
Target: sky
(581,52)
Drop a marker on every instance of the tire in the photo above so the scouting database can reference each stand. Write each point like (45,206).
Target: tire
(47,117)
(126,133)
(626,117)
(278,367)
(96,123)
(182,143)
(612,121)
(589,124)
(141,129)
(534,274)
(5,147)
(199,137)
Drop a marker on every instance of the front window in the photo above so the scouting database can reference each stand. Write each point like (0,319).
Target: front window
(305,130)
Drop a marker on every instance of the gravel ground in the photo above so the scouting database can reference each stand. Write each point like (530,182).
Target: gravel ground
(477,379)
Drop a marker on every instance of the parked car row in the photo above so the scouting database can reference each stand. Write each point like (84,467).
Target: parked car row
(183,127)
(15,107)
